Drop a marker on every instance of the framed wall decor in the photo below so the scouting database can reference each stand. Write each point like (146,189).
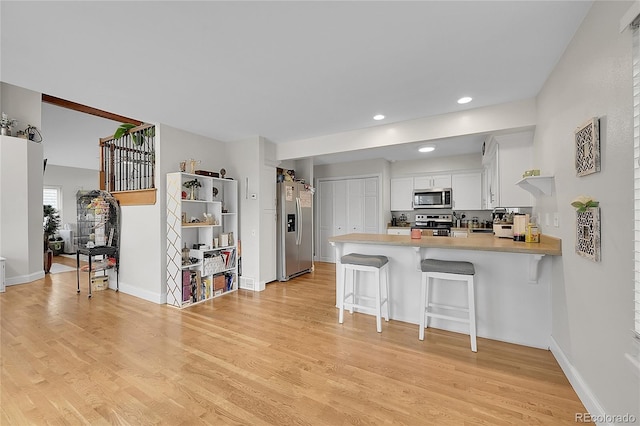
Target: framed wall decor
(587,139)
(588,233)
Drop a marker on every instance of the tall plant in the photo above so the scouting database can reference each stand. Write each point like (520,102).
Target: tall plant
(51,222)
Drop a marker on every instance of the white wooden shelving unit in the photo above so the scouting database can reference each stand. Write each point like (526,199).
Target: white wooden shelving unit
(212,271)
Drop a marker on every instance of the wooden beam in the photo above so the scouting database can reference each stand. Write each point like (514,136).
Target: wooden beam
(139,197)
(88,110)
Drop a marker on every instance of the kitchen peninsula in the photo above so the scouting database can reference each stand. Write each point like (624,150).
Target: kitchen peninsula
(512,288)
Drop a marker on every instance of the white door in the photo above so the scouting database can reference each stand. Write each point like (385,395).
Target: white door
(340,207)
(371,217)
(325,252)
(355,199)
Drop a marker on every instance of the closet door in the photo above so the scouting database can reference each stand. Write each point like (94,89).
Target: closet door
(326,252)
(355,198)
(371,214)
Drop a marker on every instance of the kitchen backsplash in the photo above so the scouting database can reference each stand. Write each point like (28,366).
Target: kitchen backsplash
(482,215)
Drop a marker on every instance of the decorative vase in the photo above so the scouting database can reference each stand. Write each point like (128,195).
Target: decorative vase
(48,260)
(193,195)
(5,131)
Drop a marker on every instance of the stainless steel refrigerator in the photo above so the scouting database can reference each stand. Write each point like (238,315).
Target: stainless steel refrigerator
(295,230)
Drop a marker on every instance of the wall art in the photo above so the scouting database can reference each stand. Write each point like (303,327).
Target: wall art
(587,138)
(588,233)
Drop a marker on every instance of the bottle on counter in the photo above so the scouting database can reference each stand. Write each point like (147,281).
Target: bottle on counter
(533,233)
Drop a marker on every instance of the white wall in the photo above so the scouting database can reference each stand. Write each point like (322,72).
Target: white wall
(245,157)
(70,180)
(514,115)
(21,233)
(592,302)
(72,138)
(436,165)
(149,223)
(21,104)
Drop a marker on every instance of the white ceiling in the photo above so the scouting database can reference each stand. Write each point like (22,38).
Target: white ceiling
(284,70)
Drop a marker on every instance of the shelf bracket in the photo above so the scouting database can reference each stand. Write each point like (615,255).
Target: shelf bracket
(537,185)
(534,261)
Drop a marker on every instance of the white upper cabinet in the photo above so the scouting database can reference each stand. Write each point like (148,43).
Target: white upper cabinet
(506,158)
(467,191)
(401,194)
(432,181)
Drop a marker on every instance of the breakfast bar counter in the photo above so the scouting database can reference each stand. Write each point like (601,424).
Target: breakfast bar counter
(513,280)
(547,245)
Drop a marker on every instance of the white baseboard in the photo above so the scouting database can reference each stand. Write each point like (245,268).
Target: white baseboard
(584,393)
(22,279)
(139,293)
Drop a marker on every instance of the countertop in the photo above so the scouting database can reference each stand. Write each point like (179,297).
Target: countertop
(483,242)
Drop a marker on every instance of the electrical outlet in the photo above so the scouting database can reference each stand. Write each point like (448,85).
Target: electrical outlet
(556,220)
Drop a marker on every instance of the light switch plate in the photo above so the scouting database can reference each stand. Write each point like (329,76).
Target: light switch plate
(556,220)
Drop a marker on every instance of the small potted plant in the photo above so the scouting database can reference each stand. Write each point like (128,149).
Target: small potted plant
(6,124)
(192,185)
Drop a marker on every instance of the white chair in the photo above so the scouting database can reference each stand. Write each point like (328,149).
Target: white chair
(453,271)
(352,265)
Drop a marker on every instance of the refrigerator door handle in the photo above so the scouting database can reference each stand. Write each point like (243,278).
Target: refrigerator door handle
(299,220)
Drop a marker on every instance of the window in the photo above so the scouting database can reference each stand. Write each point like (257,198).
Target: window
(52,195)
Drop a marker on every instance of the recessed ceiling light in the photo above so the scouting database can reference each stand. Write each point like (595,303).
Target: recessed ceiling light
(426,148)
(378,117)
(465,100)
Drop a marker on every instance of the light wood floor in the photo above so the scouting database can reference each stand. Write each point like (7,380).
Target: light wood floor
(278,357)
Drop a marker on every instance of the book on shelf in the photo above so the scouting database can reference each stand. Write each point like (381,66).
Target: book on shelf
(186,285)
(207,282)
(199,292)
(219,282)
(229,258)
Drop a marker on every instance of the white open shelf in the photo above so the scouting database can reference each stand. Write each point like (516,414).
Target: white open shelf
(537,185)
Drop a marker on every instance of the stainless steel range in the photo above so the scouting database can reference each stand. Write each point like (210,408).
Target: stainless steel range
(439,223)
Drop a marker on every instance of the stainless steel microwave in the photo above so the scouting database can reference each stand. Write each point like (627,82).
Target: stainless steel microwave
(434,198)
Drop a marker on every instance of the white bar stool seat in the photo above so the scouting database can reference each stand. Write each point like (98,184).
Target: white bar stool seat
(453,271)
(356,263)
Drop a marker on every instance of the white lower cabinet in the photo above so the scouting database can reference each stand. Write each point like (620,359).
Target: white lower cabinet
(396,231)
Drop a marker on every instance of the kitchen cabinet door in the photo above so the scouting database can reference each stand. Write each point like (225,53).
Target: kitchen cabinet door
(396,231)
(467,191)
(401,197)
(432,181)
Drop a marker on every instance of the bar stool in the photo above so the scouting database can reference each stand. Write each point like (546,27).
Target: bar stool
(447,270)
(355,263)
